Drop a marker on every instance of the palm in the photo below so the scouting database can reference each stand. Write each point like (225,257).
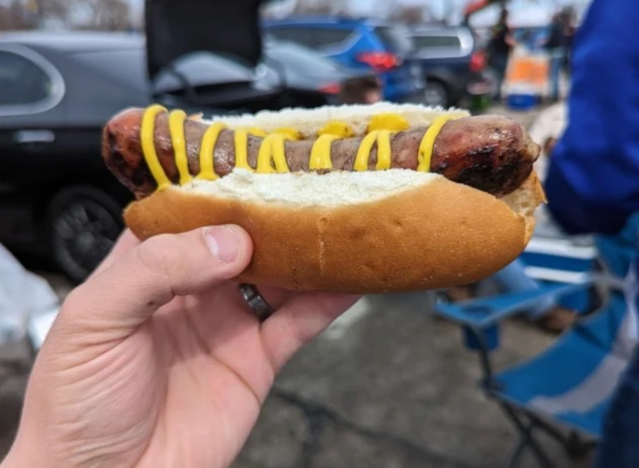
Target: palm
(186,387)
(213,375)
(129,385)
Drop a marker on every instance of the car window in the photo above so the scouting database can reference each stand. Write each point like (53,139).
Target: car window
(127,66)
(396,39)
(301,59)
(22,82)
(300,36)
(310,36)
(330,37)
(428,42)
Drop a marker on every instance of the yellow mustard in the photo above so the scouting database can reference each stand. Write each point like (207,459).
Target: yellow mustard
(241,149)
(428,142)
(392,122)
(383,150)
(290,133)
(321,153)
(255,131)
(272,151)
(337,128)
(272,156)
(147,134)
(176,129)
(382,138)
(207,148)
(363,152)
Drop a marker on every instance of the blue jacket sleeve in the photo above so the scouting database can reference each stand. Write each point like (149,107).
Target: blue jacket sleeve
(592,183)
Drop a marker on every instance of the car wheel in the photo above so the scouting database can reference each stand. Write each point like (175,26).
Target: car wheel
(436,94)
(82,225)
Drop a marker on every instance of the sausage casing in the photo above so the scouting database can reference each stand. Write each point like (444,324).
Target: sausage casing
(490,153)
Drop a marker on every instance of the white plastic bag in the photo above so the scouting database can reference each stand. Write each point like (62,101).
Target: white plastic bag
(28,303)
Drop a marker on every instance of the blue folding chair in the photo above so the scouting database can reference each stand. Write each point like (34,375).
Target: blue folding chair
(553,260)
(565,390)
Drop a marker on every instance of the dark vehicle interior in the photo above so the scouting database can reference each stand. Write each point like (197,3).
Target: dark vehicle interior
(186,38)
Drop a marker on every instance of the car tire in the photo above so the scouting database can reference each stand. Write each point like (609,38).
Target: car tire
(81,225)
(436,94)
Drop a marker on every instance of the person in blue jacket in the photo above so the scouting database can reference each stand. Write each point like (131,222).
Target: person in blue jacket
(593,177)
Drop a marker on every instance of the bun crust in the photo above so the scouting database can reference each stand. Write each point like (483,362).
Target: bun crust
(436,234)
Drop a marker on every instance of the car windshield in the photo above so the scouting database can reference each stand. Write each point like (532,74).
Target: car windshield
(300,59)
(128,66)
(394,38)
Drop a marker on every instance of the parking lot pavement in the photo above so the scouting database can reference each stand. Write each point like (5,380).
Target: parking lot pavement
(387,385)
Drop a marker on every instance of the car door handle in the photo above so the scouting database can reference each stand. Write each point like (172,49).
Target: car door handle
(26,137)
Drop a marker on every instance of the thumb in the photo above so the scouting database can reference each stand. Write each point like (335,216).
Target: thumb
(112,304)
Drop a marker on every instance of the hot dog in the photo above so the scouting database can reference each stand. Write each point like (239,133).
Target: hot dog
(361,199)
(491,153)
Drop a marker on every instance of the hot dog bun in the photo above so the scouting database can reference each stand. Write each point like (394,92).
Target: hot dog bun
(356,232)
(358,116)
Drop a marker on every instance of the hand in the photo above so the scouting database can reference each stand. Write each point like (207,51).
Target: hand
(156,360)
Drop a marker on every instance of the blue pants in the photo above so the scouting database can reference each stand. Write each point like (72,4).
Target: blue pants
(513,278)
(499,64)
(556,64)
(619,447)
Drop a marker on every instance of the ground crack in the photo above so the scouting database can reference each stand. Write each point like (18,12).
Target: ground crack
(319,415)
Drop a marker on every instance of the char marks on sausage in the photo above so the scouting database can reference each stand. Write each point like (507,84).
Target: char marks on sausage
(491,153)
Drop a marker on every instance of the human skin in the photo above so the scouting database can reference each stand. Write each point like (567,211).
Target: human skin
(157,361)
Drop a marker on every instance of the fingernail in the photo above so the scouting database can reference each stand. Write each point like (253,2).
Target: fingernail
(223,243)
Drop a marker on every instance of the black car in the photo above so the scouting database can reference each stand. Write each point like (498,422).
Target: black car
(56,93)
(450,60)
(57,90)
(304,68)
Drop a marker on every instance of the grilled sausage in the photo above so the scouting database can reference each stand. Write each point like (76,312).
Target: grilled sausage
(490,153)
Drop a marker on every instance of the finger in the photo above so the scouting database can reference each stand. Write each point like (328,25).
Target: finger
(274,297)
(300,320)
(229,301)
(126,294)
(125,242)
(232,312)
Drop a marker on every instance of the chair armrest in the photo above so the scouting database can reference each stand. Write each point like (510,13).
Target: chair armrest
(484,312)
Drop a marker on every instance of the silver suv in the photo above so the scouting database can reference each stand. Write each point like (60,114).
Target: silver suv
(449,59)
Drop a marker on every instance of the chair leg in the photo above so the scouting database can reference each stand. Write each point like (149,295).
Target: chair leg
(573,444)
(524,440)
(576,447)
(519,451)
(527,440)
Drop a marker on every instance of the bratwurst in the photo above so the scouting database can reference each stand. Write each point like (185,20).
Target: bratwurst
(354,199)
(490,153)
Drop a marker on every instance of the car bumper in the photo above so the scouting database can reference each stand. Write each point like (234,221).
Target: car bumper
(402,85)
